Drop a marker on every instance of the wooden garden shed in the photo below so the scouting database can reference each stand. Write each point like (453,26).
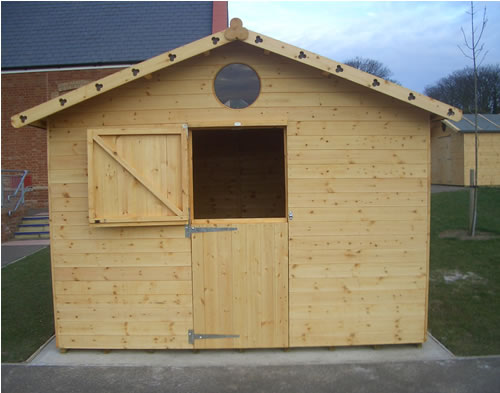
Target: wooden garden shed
(239,192)
(453,152)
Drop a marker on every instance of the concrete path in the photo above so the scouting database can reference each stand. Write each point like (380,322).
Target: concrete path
(430,350)
(16,250)
(464,375)
(435,188)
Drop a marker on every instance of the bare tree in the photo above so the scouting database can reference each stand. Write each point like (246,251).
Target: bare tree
(371,66)
(473,50)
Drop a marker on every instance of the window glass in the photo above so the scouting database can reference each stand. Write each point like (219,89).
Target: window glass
(237,86)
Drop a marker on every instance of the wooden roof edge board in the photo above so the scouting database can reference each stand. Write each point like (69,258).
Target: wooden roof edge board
(136,71)
(234,32)
(354,75)
(451,125)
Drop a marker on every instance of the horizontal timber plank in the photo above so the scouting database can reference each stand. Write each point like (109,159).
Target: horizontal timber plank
(69,204)
(347,285)
(73,190)
(129,273)
(167,300)
(67,148)
(322,311)
(317,186)
(76,161)
(388,228)
(341,270)
(358,256)
(359,297)
(356,156)
(122,312)
(123,342)
(355,324)
(366,142)
(122,288)
(354,171)
(71,232)
(357,128)
(69,218)
(364,242)
(79,246)
(360,199)
(76,116)
(68,175)
(369,213)
(128,259)
(128,328)
(342,338)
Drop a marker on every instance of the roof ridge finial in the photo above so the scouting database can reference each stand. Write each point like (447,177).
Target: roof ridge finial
(236,31)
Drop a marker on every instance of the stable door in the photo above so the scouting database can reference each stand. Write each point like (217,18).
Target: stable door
(240,285)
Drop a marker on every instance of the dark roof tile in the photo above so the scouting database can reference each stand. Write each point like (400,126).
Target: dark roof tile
(44,34)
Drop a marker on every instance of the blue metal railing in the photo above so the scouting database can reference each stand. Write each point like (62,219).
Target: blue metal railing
(9,184)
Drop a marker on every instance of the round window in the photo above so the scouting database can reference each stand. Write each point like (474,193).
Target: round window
(237,86)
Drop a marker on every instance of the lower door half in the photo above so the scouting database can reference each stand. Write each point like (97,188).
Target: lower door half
(240,286)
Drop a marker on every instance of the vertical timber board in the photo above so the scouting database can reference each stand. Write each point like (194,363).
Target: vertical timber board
(240,286)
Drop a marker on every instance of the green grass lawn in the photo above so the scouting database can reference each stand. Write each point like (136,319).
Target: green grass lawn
(465,314)
(27,313)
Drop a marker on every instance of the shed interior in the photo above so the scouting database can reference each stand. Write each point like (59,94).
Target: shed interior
(239,173)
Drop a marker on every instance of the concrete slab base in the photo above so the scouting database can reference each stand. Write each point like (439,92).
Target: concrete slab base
(430,350)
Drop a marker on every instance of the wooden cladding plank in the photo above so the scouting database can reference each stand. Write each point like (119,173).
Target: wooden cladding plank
(358,256)
(92,232)
(267,116)
(357,326)
(401,268)
(342,338)
(356,156)
(357,128)
(358,297)
(167,300)
(79,246)
(317,186)
(128,328)
(363,242)
(143,259)
(77,161)
(65,190)
(129,273)
(68,176)
(69,218)
(350,171)
(348,284)
(363,311)
(346,199)
(122,312)
(123,342)
(323,228)
(123,287)
(366,142)
(70,204)
(369,213)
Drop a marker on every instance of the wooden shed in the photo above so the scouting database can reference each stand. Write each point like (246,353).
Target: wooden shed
(453,150)
(239,192)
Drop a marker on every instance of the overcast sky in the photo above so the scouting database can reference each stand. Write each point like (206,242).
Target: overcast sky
(416,40)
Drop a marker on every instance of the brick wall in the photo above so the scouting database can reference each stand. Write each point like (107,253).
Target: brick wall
(26,147)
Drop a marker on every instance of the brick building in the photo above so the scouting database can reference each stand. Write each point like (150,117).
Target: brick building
(49,48)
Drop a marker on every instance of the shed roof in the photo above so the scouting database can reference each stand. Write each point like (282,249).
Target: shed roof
(485,123)
(48,34)
(236,31)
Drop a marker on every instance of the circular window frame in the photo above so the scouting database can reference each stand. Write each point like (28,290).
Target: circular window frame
(215,92)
